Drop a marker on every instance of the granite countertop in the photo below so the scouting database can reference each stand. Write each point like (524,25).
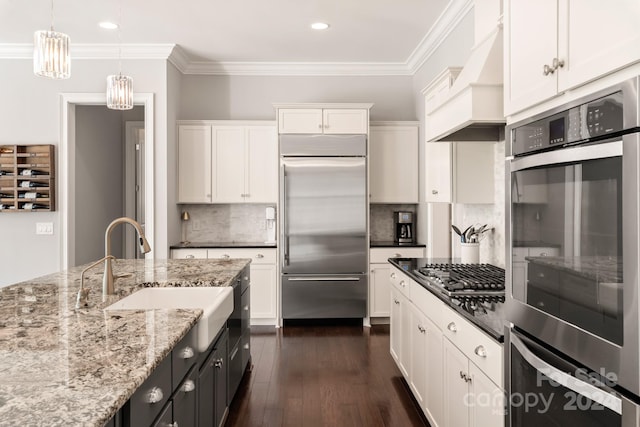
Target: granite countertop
(60,366)
(392,244)
(602,269)
(489,317)
(204,245)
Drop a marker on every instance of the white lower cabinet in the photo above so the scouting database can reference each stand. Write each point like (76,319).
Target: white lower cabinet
(453,369)
(379,285)
(264,277)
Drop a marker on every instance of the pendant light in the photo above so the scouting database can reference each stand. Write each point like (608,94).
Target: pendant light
(119,87)
(51,53)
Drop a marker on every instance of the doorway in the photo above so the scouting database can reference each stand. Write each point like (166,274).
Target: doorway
(98,193)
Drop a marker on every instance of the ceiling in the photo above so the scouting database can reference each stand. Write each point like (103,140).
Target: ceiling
(234,31)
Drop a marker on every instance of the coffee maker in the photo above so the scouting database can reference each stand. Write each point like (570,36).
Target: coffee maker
(404,227)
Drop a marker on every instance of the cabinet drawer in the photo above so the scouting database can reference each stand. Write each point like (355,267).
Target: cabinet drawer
(188,253)
(426,302)
(380,255)
(482,350)
(184,356)
(400,281)
(147,401)
(257,255)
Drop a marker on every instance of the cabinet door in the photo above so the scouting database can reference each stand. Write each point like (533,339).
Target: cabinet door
(418,355)
(206,390)
(263,291)
(583,46)
(486,400)
(221,379)
(379,291)
(527,51)
(229,163)
(438,172)
(405,341)
(395,330)
(473,172)
(456,367)
(345,120)
(393,157)
(262,165)
(184,401)
(434,367)
(194,164)
(300,120)
(165,418)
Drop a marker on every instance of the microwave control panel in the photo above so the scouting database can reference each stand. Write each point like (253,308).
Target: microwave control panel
(581,123)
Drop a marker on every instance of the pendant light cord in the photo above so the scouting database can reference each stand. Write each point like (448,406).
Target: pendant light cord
(119,37)
(51,15)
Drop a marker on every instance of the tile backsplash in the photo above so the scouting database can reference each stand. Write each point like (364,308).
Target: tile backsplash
(492,245)
(226,223)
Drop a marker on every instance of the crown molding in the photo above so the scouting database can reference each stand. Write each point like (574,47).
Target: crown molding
(455,11)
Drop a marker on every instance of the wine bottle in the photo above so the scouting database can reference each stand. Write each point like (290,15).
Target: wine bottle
(31,184)
(30,206)
(31,172)
(6,207)
(29,195)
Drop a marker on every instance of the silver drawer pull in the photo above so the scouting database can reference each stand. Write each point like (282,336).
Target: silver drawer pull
(421,329)
(543,254)
(190,257)
(187,353)
(154,395)
(462,375)
(226,256)
(259,256)
(246,308)
(246,346)
(452,327)
(393,275)
(480,351)
(434,192)
(396,301)
(398,255)
(188,386)
(402,283)
(218,363)
(172,424)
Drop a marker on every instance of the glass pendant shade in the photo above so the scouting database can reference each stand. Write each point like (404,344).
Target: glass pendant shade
(119,92)
(51,55)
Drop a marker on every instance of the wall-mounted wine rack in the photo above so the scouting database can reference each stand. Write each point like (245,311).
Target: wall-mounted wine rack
(27,178)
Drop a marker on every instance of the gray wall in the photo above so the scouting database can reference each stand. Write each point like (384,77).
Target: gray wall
(252,97)
(31,115)
(174,94)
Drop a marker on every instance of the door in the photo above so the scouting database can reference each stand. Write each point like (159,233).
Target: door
(438,183)
(263,291)
(229,163)
(379,286)
(262,168)
(344,120)
(456,365)
(395,332)
(324,215)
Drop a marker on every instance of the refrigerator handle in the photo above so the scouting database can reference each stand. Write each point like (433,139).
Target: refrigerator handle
(285,225)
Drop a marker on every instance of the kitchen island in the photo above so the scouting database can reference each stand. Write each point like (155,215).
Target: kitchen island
(62,366)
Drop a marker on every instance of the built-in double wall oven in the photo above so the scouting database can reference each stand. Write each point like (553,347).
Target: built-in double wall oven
(572,281)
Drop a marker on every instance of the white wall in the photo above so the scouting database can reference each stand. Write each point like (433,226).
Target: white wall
(251,97)
(30,114)
(174,90)
(99,180)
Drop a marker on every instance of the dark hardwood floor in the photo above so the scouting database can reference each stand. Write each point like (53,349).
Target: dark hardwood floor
(323,376)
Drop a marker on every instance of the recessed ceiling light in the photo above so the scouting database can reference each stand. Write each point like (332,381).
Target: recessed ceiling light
(319,26)
(108,25)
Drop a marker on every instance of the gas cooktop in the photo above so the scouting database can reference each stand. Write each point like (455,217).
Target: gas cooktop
(456,280)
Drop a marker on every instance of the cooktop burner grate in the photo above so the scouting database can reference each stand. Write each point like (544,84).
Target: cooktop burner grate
(465,279)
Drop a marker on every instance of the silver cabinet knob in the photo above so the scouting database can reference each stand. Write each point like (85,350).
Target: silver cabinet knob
(226,256)
(452,327)
(259,256)
(557,63)
(218,363)
(398,255)
(543,254)
(246,346)
(393,275)
(434,192)
(480,351)
(421,329)
(546,70)
(402,283)
(320,126)
(187,353)
(396,301)
(246,308)
(188,386)
(190,257)
(154,395)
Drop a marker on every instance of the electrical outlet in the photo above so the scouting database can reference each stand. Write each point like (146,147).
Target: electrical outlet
(196,225)
(44,228)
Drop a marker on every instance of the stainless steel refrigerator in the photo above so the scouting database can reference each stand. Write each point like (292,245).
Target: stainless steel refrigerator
(323,199)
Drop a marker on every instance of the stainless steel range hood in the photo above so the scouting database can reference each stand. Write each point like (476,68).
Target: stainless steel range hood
(473,107)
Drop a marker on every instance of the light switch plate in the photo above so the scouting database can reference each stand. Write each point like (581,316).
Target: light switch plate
(44,228)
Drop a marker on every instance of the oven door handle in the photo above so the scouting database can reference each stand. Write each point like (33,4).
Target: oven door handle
(585,389)
(568,155)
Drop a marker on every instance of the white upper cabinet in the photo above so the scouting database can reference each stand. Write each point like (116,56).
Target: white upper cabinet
(227,163)
(555,45)
(194,164)
(393,163)
(339,120)
(438,172)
